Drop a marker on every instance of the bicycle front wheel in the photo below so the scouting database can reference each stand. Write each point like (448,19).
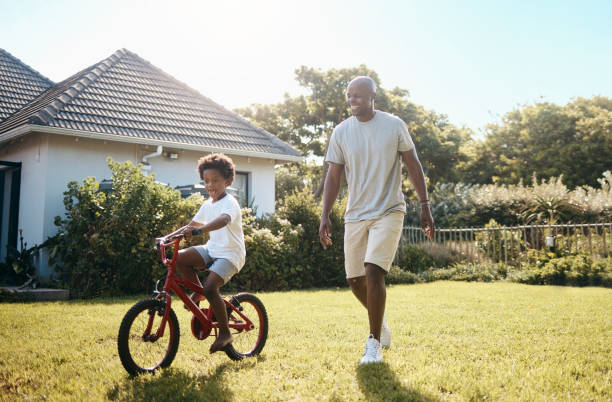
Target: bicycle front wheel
(140,350)
(251,342)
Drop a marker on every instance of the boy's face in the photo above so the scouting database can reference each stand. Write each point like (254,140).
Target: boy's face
(215,183)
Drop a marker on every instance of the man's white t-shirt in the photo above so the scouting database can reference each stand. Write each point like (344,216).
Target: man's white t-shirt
(227,242)
(370,153)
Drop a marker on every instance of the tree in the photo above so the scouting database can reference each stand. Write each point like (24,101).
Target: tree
(307,121)
(574,141)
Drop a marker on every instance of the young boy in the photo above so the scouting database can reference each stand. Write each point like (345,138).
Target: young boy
(224,253)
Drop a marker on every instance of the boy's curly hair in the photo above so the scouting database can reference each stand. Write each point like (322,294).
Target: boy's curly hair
(221,162)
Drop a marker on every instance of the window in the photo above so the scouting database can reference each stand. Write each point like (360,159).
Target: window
(240,188)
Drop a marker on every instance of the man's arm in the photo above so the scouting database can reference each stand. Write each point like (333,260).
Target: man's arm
(415,173)
(330,193)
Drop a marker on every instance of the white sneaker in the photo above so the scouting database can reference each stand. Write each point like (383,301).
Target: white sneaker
(385,335)
(373,351)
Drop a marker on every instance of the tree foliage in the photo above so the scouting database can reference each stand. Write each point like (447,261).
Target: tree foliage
(307,121)
(573,141)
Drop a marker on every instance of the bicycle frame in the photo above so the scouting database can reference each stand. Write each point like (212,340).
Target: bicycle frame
(173,283)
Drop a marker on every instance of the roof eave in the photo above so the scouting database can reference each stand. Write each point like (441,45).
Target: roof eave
(31,128)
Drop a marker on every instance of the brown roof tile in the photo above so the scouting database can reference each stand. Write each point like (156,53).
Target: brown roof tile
(125,95)
(19,84)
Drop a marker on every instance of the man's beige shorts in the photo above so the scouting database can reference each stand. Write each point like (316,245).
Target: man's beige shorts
(371,241)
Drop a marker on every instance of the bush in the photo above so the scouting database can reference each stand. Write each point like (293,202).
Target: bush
(544,202)
(413,258)
(397,275)
(493,243)
(467,272)
(270,262)
(574,270)
(105,242)
(442,255)
(18,267)
(417,258)
(291,247)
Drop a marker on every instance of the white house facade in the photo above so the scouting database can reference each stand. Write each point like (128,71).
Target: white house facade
(126,109)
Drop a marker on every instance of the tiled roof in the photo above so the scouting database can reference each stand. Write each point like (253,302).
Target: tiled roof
(126,96)
(19,84)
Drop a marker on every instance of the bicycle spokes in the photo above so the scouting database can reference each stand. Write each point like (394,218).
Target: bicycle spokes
(249,335)
(141,349)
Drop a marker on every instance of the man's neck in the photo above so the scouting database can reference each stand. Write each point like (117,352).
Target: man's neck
(367,117)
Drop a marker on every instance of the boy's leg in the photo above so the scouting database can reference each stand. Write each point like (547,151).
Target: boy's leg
(188,259)
(211,290)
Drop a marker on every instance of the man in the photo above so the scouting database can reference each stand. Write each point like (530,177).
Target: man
(367,147)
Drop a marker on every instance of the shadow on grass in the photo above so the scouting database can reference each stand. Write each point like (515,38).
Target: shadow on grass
(378,382)
(173,385)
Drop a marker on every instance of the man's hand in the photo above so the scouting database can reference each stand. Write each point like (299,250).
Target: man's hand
(427,222)
(325,232)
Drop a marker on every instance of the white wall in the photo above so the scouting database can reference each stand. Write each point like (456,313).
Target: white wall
(49,162)
(31,151)
(182,171)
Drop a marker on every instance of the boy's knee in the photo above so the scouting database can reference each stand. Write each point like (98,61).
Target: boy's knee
(209,290)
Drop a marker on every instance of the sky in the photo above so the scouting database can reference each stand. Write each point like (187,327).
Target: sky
(473,61)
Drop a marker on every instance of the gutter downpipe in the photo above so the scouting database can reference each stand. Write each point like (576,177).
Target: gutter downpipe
(146,166)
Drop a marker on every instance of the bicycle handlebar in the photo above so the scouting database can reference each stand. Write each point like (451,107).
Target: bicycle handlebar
(173,240)
(170,239)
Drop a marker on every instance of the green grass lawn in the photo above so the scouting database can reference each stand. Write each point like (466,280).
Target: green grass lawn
(451,341)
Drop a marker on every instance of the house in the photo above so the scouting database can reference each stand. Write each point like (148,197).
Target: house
(125,108)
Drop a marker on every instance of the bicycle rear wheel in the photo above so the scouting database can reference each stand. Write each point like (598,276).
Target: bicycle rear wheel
(251,342)
(139,350)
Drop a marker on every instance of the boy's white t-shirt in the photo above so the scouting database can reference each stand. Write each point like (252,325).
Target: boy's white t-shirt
(227,242)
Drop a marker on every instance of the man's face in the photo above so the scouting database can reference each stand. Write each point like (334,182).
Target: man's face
(360,98)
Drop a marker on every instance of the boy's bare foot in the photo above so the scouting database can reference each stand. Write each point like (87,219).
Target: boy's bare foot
(221,342)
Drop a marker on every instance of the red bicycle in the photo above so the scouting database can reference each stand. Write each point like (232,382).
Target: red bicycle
(149,332)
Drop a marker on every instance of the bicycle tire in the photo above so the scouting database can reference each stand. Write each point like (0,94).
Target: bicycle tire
(245,343)
(133,348)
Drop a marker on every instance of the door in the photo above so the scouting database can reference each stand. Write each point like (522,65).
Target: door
(10,183)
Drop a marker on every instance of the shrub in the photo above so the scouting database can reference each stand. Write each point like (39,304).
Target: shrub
(283,250)
(464,205)
(493,243)
(326,266)
(397,275)
(469,272)
(413,258)
(573,270)
(104,243)
(442,255)
(18,266)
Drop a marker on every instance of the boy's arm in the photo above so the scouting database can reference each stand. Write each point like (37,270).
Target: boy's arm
(217,223)
(415,172)
(185,230)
